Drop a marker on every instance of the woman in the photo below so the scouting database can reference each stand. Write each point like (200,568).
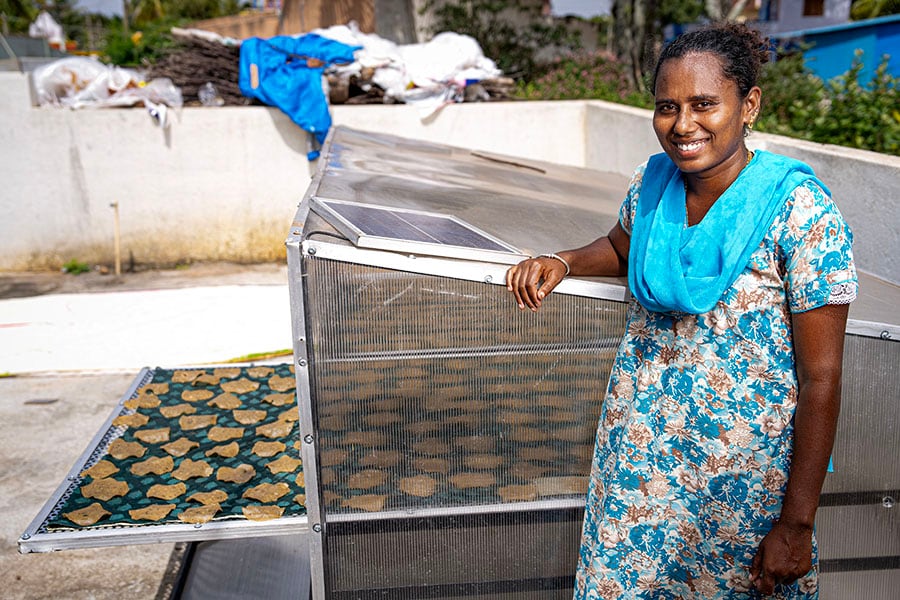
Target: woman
(719,418)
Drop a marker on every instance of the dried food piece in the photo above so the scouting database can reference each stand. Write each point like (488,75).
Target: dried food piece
(166,491)
(226,401)
(240,386)
(155,465)
(330,497)
(515,417)
(249,417)
(104,489)
(133,420)
(333,423)
(422,427)
(154,388)
(483,461)
(256,512)
(88,515)
(300,499)
(213,497)
(422,486)
(577,433)
(220,434)
(268,449)
(207,379)
(267,492)
(189,469)
(382,419)
(120,449)
(527,435)
(380,458)
(432,465)
(278,429)
(543,453)
(281,384)
(260,372)
(561,416)
(153,436)
(465,481)
(192,422)
(367,479)
(301,480)
(176,410)
(180,447)
(518,493)
(562,486)
(469,420)
(476,443)
(196,395)
(199,514)
(431,446)
(142,401)
(185,376)
(285,464)
(528,471)
(279,399)
(290,415)
(333,456)
(227,450)
(367,502)
(227,372)
(240,474)
(100,469)
(154,512)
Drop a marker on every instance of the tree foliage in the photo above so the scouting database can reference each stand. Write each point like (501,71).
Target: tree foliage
(870,9)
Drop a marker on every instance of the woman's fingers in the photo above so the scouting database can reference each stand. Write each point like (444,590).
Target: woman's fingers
(532,280)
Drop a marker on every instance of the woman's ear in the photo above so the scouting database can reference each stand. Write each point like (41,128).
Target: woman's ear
(751,106)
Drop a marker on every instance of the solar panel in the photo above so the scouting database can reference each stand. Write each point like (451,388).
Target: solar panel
(418,232)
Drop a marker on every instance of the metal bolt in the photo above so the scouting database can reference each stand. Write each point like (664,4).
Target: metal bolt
(308,439)
(302,362)
(311,251)
(317,528)
(887,502)
(885,335)
(26,536)
(488,278)
(198,525)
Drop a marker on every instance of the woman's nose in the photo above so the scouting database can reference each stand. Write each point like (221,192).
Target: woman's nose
(684,122)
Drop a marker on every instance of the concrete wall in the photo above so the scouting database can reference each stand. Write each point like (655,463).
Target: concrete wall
(223,184)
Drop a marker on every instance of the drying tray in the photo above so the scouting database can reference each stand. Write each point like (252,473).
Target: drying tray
(236,425)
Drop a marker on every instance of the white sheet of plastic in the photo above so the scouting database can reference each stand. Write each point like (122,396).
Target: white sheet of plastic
(430,74)
(81,82)
(45,27)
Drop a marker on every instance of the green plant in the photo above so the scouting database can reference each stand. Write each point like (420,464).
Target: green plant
(75,267)
(583,75)
(510,32)
(842,111)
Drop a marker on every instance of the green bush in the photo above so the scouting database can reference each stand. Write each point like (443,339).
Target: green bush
(583,75)
(841,111)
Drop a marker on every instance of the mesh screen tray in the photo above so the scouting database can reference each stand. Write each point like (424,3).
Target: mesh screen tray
(186,455)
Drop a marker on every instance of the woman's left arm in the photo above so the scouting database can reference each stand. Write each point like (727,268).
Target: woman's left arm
(785,554)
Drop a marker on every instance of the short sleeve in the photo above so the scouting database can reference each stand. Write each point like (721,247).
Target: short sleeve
(817,248)
(629,206)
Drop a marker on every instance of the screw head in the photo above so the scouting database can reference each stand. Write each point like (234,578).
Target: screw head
(302,362)
(887,502)
(317,528)
(308,438)
(488,278)
(26,536)
(311,251)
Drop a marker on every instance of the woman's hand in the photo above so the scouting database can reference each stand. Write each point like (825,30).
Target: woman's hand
(784,555)
(533,279)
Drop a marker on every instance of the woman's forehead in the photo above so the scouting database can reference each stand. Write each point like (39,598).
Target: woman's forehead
(694,73)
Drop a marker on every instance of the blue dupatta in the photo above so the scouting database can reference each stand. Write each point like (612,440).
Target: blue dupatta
(673,267)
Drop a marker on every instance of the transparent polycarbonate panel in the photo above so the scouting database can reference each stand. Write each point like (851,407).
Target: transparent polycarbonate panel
(867,447)
(435,393)
(503,555)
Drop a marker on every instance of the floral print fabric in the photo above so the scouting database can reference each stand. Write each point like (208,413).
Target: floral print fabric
(694,442)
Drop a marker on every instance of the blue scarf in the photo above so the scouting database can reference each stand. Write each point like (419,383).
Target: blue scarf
(673,267)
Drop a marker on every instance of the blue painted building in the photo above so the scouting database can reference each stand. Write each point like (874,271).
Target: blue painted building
(832,48)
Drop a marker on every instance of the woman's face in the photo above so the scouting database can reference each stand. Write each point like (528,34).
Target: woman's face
(700,116)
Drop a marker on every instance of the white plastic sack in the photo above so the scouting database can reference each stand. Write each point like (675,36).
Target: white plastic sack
(45,27)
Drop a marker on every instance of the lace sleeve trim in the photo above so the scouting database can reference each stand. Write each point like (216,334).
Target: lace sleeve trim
(842,293)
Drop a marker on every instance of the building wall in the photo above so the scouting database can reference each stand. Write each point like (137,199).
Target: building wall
(224,183)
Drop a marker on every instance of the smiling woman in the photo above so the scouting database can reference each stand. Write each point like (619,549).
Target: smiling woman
(719,418)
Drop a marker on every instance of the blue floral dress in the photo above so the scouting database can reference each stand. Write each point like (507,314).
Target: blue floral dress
(695,435)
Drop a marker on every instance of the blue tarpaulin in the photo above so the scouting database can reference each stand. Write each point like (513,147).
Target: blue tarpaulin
(286,72)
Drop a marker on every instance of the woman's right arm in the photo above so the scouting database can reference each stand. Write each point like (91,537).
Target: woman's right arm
(533,279)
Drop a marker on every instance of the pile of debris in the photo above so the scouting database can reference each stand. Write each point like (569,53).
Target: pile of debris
(205,67)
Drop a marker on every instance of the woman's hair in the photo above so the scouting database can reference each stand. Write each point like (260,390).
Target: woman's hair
(742,51)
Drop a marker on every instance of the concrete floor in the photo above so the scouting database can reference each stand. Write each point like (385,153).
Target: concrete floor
(67,352)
